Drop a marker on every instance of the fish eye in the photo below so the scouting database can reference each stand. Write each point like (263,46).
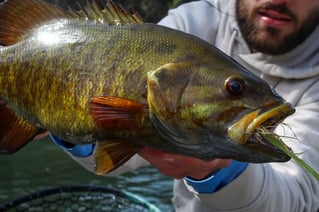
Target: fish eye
(235,85)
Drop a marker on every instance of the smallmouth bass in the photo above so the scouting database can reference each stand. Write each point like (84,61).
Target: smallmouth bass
(103,76)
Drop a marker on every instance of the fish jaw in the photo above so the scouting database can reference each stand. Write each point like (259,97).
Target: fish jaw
(247,130)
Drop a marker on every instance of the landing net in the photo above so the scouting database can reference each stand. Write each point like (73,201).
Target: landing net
(79,198)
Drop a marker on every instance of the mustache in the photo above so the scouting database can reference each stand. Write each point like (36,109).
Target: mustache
(280,8)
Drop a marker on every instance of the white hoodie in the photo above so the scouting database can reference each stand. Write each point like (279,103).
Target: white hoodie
(295,76)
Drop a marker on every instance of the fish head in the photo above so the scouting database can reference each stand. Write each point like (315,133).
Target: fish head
(216,111)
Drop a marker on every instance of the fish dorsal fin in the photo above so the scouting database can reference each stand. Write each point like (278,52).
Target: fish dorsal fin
(110,14)
(15,132)
(18,17)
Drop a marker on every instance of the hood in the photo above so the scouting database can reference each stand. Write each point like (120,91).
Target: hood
(301,62)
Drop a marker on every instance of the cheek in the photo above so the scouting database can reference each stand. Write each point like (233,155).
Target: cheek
(246,7)
(306,23)
(305,11)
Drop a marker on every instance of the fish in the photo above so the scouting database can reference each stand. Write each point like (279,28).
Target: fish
(101,75)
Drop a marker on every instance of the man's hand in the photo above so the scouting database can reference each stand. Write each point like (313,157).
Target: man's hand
(40,136)
(179,166)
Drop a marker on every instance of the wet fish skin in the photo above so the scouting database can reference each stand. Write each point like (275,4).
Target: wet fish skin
(80,66)
(129,85)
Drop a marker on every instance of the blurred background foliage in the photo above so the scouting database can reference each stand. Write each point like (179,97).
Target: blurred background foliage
(150,10)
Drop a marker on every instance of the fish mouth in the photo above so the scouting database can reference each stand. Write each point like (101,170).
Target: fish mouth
(248,128)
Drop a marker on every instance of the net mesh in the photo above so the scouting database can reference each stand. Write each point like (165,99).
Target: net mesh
(79,198)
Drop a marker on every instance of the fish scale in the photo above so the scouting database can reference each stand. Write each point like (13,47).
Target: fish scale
(102,76)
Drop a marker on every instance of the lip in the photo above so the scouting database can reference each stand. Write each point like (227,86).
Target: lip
(274,19)
(247,125)
(257,142)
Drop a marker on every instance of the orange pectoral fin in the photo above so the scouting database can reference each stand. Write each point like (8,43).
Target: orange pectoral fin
(116,113)
(109,155)
(15,132)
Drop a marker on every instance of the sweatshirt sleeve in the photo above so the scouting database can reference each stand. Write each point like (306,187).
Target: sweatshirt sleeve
(271,186)
(260,187)
(217,180)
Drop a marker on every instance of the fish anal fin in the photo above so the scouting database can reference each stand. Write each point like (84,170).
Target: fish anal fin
(116,113)
(109,155)
(15,132)
(18,17)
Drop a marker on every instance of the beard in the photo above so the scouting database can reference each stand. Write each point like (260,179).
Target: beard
(274,44)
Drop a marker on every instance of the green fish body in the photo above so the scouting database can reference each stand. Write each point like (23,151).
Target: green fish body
(102,76)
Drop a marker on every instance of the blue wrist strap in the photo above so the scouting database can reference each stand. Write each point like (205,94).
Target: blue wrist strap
(75,149)
(219,180)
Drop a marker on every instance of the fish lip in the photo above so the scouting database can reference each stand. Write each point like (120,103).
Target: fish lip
(269,116)
(248,129)
(272,153)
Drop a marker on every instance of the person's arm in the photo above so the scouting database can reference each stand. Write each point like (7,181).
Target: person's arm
(278,186)
(202,176)
(260,187)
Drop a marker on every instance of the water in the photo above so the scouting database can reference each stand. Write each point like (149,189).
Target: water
(41,164)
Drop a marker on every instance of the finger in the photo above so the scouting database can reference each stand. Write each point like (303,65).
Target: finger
(40,136)
(179,166)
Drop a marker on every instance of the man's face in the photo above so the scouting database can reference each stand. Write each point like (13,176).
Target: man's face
(276,26)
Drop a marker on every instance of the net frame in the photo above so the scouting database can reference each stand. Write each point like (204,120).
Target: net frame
(132,202)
